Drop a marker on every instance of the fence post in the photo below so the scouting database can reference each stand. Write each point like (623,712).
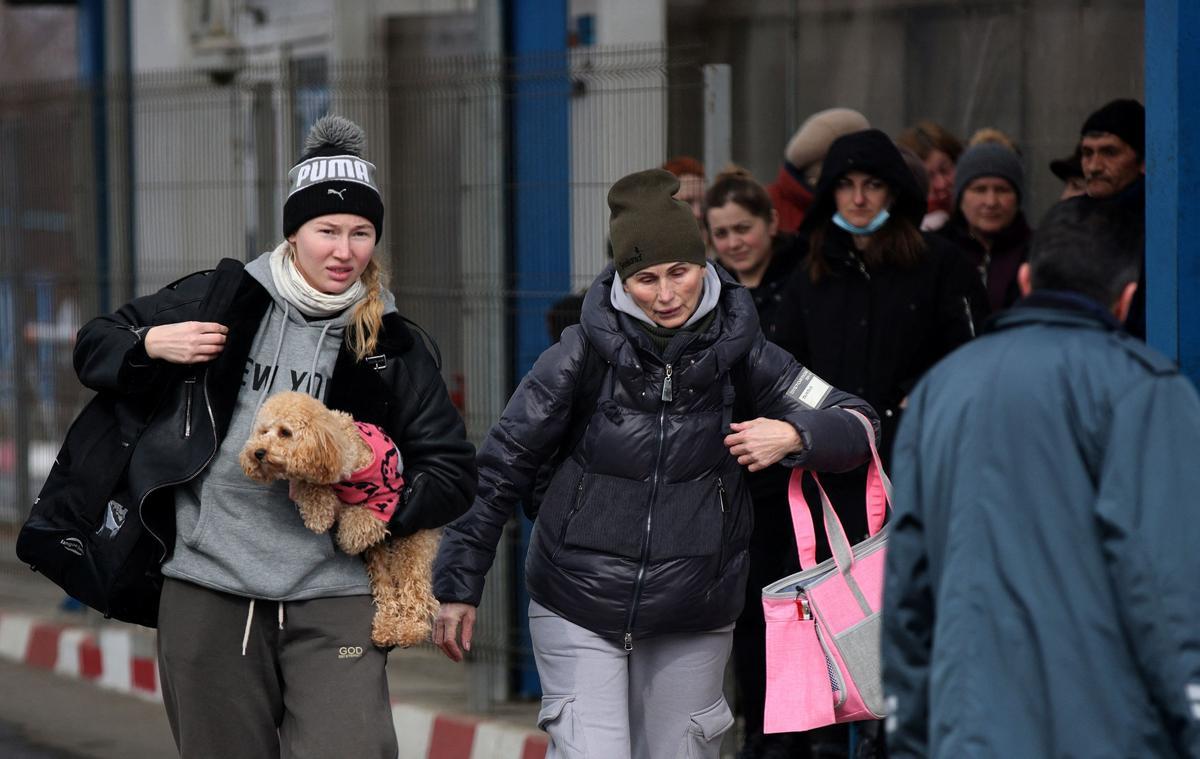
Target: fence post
(718,134)
(539,171)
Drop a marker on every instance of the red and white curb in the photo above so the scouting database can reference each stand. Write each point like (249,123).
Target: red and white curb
(424,733)
(105,657)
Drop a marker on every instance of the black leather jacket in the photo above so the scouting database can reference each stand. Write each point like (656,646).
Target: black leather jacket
(189,407)
(644,527)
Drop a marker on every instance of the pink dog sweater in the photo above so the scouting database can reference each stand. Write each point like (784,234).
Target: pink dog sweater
(377,485)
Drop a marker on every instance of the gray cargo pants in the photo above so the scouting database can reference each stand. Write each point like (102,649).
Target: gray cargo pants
(310,685)
(662,700)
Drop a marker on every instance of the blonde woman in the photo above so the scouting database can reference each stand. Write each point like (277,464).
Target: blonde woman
(263,626)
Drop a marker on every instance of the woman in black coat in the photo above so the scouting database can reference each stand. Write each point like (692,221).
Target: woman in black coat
(875,302)
(637,563)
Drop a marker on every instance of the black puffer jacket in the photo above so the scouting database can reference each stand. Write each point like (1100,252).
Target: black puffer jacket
(401,390)
(644,527)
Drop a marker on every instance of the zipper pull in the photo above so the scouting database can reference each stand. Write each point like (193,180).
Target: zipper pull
(721,490)
(628,641)
(667,395)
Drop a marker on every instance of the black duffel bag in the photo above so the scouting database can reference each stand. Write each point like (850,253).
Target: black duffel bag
(85,531)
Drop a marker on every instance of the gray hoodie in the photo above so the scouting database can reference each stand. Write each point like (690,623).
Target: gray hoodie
(243,537)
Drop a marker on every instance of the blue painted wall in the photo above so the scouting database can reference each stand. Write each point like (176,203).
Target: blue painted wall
(92,67)
(1173,180)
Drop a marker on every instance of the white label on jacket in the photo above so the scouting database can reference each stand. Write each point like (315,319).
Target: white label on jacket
(1193,692)
(809,389)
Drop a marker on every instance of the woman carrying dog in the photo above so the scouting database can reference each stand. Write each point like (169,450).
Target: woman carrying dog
(637,564)
(264,627)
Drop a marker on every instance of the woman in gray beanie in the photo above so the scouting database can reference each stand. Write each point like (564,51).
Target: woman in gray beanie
(637,564)
(988,224)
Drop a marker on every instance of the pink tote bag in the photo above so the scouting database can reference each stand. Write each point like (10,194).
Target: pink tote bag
(823,622)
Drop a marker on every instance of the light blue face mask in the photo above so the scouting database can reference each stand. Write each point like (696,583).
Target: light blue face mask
(872,226)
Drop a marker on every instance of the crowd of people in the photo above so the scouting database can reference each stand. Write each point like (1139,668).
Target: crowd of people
(868,260)
(1040,594)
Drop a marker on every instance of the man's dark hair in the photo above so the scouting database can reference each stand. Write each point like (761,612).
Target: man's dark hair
(1084,245)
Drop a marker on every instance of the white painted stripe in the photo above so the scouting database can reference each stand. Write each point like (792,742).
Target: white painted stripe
(15,630)
(68,651)
(495,740)
(414,730)
(116,660)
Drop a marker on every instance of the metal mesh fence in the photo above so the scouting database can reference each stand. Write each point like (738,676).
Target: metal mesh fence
(116,191)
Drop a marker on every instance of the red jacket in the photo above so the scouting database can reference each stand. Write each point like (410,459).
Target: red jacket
(791,198)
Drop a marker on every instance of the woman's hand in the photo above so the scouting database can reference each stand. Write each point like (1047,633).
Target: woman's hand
(445,629)
(185,342)
(759,443)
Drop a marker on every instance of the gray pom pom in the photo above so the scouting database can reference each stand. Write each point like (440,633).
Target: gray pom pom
(338,132)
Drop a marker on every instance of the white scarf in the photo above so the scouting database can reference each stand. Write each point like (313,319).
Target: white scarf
(307,299)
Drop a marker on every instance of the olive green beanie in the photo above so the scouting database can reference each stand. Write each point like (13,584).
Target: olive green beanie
(649,226)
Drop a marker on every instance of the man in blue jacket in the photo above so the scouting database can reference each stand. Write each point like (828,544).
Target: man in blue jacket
(1043,586)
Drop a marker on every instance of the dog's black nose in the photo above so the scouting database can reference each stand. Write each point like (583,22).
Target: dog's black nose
(260,454)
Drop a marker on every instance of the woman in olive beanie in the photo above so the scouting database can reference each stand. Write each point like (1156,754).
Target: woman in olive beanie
(637,563)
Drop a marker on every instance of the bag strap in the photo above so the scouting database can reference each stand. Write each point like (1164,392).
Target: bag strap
(878,500)
(583,402)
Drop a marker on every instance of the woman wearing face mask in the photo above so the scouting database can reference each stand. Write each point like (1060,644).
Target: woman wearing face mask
(988,225)
(875,302)
(254,606)
(637,563)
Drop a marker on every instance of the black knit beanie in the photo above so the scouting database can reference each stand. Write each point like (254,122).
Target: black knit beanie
(649,226)
(1124,118)
(332,177)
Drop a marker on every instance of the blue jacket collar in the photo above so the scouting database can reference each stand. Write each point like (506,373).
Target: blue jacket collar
(1055,306)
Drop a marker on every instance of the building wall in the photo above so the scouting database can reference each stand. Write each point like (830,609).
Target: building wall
(37,44)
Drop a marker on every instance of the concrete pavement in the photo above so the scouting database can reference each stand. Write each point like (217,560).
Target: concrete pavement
(429,692)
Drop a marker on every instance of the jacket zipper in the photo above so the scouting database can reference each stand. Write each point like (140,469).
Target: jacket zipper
(668,394)
(861,266)
(187,405)
(641,575)
(562,534)
(724,513)
(216,446)
(970,319)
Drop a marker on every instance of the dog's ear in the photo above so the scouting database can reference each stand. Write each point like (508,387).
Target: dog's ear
(316,456)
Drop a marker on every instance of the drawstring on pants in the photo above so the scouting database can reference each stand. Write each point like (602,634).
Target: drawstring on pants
(250,619)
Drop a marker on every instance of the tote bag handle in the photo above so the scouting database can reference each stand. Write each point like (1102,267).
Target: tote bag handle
(878,498)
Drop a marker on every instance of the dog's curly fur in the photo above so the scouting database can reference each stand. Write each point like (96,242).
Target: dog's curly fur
(297,438)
